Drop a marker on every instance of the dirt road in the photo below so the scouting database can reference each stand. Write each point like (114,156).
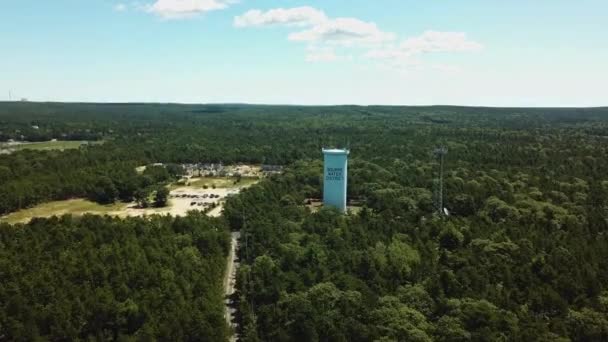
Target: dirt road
(229,283)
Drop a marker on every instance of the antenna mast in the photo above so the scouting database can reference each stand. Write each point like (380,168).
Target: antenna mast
(440,153)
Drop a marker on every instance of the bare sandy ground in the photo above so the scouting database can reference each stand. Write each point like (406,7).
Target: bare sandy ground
(180,206)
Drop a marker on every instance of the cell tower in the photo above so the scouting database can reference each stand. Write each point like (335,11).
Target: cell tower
(440,154)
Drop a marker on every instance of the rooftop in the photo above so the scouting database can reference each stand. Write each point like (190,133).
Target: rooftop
(335,151)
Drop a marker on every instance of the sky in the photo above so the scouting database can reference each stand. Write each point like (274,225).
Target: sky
(311,52)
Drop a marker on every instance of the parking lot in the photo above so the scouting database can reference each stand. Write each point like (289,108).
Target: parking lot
(188,198)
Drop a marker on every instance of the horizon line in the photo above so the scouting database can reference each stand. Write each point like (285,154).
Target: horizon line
(297,105)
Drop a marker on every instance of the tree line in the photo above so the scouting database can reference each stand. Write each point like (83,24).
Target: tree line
(572,141)
(104,176)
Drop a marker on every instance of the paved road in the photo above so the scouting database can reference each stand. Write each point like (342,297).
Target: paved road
(229,283)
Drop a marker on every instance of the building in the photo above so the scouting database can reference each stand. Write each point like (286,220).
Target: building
(335,172)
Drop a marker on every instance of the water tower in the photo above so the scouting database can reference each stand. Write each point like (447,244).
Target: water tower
(335,172)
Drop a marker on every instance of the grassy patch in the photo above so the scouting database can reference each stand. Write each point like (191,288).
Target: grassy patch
(75,207)
(47,145)
(219,182)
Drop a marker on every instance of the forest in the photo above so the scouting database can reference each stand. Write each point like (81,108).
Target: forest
(100,278)
(522,256)
(514,265)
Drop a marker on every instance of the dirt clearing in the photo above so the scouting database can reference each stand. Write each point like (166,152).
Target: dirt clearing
(182,199)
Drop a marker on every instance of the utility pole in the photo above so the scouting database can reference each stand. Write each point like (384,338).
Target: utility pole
(10,96)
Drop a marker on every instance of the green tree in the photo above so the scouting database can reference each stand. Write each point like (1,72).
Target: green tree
(450,238)
(104,191)
(161,197)
(397,321)
(142,197)
(588,325)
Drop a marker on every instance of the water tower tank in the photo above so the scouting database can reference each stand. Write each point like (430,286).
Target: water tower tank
(335,172)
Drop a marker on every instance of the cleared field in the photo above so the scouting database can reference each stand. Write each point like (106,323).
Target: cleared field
(45,145)
(219,182)
(183,199)
(73,206)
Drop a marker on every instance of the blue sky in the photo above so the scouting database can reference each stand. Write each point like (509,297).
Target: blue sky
(461,52)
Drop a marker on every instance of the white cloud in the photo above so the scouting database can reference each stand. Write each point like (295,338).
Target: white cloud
(429,41)
(298,16)
(320,28)
(346,31)
(407,54)
(434,41)
(179,9)
(324,34)
(120,7)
